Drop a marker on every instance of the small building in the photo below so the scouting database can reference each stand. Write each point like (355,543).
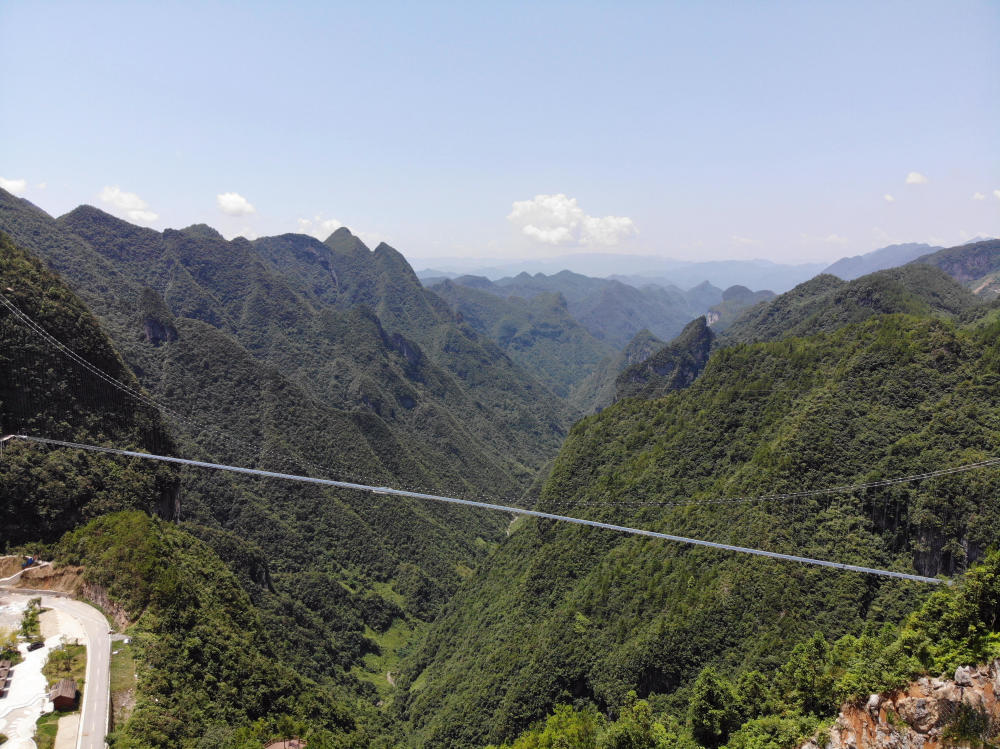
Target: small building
(63,695)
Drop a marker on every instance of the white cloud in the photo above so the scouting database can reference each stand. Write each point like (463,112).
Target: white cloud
(978,196)
(828,239)
(14,186)
(744,240)
(977,236)
(559,220)
(128,203)
(319,227)
(916,178)
(234,204)
(552,235)
(997,194)
(888,198)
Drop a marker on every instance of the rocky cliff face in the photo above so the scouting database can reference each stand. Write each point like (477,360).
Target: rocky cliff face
(671,368)
(930,713)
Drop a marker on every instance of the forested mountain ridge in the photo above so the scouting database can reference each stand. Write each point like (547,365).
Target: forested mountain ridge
(287,323)
(538,332)
(563,613)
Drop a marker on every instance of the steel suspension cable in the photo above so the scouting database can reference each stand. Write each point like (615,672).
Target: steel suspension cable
(385,490)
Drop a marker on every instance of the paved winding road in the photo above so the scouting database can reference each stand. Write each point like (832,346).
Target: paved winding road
(96,694)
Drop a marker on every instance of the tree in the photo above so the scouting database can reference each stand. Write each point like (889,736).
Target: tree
(806,680)
(713,710)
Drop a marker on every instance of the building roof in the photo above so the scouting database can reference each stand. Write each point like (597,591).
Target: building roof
(65,688)
(287,744)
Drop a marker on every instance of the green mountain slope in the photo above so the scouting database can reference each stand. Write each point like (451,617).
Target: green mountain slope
(325,348)
(794,705)
(537,333)
(207,671)
(45,493)
(564,613)
(823,303)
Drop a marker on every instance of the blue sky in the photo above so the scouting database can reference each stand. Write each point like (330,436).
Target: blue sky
(701,130)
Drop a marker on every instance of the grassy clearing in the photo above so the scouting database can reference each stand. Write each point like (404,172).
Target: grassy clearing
(67,662)
(387,592)
(122,681)
(122,667)
(46,729)
(393,644)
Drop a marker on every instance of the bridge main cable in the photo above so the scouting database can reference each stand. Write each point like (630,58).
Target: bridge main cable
(482,505)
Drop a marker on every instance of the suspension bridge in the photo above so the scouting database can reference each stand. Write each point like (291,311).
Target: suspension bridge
(386,490)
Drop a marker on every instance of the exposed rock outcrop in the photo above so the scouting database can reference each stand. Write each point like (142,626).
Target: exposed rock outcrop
(930,713)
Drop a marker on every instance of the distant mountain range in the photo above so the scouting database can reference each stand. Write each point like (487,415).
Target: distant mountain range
(849,268)
(635,270)
(612,311)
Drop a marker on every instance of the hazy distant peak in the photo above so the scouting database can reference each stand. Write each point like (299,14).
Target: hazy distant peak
(736,292)
(849,268)
(475,282)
